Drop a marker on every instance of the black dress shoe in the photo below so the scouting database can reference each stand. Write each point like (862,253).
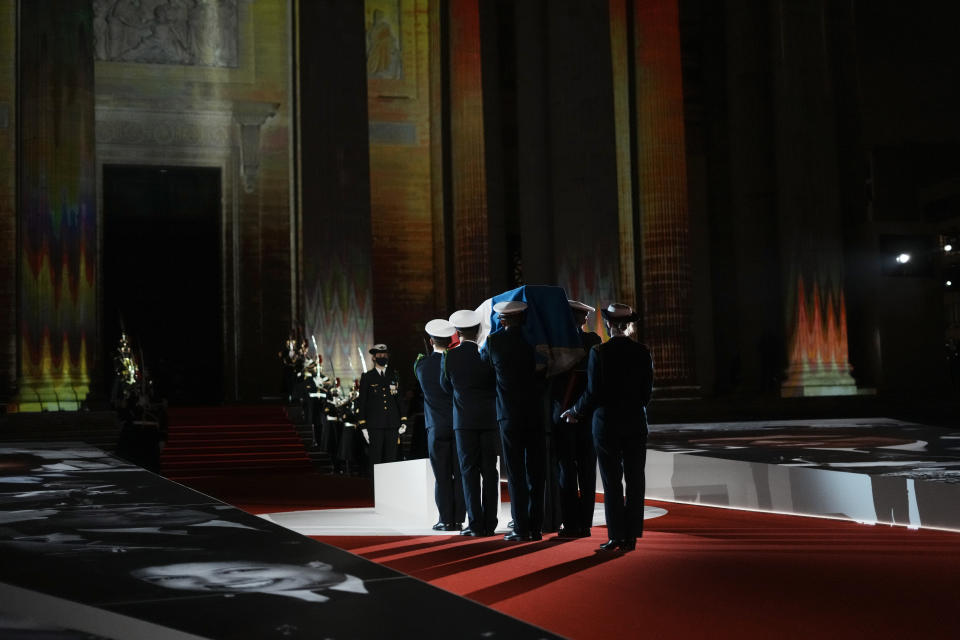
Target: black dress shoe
(627,545)
(569,532)
(536,535)
(452,526)
(517,537)
(611,545)
(440,526)
(470,532)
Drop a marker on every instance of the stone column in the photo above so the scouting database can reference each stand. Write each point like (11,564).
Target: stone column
(662,181)
(471,256)
(57,216)
(8,196)
(808,203)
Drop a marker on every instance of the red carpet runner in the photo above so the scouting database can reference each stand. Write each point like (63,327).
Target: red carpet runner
(227,440)
(701,572)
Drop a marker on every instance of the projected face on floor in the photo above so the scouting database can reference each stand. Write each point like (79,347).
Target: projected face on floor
(294,581)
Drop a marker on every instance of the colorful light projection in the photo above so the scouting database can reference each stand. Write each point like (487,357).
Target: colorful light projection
(57,216)
(819,362)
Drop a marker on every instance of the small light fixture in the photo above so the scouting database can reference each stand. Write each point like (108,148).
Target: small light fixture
(947,248)
(949,283)
(903,258)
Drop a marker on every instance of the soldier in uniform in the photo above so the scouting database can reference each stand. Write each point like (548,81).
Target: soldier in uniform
(576,457)
(520,416)
(619,384)
(379,410)
(472,384)
(438,418)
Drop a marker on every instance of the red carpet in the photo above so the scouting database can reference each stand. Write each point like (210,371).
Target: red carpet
(704,572)
(699,572)
(225,440)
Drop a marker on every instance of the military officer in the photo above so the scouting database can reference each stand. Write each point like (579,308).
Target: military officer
(438,419)
(379,408)
(619,384)
(519,414)
(576,457)
(472,384)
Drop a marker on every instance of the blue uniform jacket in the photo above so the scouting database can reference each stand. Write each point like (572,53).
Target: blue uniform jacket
(437,402)
(471,382)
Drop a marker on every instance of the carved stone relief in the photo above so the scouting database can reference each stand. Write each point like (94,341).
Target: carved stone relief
(181,32)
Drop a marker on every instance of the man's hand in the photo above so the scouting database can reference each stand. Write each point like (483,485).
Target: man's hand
(366,435)
(403,428)
(569,416)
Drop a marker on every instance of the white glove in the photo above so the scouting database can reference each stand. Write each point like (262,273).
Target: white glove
(403,428)
(366,436)
(569,416)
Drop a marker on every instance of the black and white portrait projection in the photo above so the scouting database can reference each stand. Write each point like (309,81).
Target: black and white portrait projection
(85,528)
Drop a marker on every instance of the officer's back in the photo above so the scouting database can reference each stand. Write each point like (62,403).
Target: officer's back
(473,386)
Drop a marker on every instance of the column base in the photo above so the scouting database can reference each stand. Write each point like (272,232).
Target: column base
(802,384)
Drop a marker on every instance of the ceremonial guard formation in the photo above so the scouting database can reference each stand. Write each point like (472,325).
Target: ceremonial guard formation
(497,400)
(438,417)
(472,384)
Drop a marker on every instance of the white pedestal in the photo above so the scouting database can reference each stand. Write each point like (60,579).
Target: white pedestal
(404,492)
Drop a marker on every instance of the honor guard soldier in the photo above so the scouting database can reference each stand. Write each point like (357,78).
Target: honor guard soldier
(576,457)
(619,384)
(520,416)
(471,383)
(379,408)
(438,419)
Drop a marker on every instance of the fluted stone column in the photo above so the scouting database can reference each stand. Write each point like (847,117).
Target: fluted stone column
(57,216)
(808,204)
(471,268)
(662,181)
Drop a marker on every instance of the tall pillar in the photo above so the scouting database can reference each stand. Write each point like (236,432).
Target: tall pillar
(471,255)
(8,197)
(335,227)
(57,215)
(662,182)
(808,202)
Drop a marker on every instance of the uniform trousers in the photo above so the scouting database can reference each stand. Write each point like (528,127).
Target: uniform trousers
(448,493)
(383,446)
(523,457)
(622,455)
(477,450)
(577,460)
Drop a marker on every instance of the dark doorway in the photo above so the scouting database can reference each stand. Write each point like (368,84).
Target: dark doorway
(162,276)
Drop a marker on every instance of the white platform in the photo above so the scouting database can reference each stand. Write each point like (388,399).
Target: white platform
(778,488)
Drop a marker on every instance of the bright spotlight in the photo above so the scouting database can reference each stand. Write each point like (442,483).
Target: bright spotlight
(949,283)
(947,248)
(903,258)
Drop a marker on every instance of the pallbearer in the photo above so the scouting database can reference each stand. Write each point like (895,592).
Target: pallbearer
(379,410)
(520,416)
(438,418)
(619,384)
(577,459)
(471,382)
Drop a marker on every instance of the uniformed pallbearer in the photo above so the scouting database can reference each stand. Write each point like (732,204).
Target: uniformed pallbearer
(379,409)
(619,384)
(576,457)
(520,416)
(438,418)
(471,382)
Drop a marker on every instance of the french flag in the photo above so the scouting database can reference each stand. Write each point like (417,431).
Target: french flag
(549,325)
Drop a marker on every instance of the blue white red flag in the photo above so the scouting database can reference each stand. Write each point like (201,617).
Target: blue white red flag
(549,325)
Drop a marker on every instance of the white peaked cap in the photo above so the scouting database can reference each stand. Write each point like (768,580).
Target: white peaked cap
(439,328)
(508,307)
(576,305)
(464,319)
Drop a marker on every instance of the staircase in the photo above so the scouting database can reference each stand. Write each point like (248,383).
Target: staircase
(206,441)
